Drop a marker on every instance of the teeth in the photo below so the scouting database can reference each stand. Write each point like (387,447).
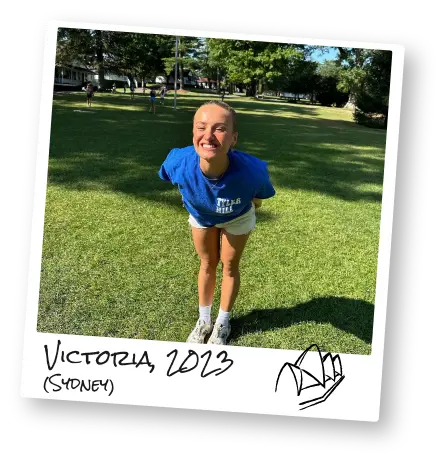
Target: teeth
(209,146)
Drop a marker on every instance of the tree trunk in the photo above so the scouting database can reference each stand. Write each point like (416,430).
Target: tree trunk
(218,84)
(181,76)
(351,104)
(181,67)
(251,89)
(100,58)
(101,76)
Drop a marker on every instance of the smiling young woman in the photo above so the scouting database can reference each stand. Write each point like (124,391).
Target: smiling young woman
(221,188)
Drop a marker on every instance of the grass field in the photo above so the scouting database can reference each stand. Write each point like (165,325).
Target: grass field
(118,259)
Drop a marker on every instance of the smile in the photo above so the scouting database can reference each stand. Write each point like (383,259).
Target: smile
(208,146)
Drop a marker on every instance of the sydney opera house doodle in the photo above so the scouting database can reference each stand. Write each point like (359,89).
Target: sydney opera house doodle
(312,378)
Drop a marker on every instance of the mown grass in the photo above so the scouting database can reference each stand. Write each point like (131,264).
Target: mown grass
(117,253)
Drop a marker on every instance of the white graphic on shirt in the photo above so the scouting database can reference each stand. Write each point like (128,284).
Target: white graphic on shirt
(225,206)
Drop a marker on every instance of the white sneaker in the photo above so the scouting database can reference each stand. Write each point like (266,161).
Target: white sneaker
(219,334)
(200,332)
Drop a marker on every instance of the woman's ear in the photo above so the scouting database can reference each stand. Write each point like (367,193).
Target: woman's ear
(235,139)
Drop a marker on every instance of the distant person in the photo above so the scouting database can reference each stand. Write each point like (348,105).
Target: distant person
(162,95)
(223,93)
(152,101)
(125,88)
(113,88)
(132,88)
(90,93)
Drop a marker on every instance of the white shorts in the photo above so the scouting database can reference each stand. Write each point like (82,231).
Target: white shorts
(242,225)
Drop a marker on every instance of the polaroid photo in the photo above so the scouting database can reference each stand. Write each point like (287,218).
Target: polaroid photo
(212,221)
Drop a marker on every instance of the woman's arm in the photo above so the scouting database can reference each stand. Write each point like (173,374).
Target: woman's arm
(257,202)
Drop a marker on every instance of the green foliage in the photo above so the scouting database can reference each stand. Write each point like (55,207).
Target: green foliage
(376,121)
(362,74)
(329,69)
(299,76)
(350,79)
(248,62)
(186,52)
(187,57)
(143,54)
(119,52)
(351,75)
(118,260)
(373,97)
(327,93)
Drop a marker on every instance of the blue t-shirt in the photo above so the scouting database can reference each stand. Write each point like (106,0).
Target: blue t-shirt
(213,202)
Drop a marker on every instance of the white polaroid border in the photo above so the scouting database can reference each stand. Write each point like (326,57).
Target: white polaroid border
(168,374)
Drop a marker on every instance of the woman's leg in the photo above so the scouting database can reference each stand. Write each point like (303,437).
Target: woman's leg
(206,241)
(207,245)
(232,247)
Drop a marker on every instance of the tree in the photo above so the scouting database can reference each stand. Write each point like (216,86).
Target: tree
(94,49)
(301,77)
(373,98)
(327,92)
(250,63)
(132,54)
(218,53)
(143,54)
(187,52)
(165,48)
(207,64)
(352,62)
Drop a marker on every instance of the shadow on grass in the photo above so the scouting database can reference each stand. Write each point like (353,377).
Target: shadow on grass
(120,146)
(349,315)
(265,215)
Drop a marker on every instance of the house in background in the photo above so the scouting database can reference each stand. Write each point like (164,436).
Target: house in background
(71,77)
(75,77)
(205,82)
(190,79)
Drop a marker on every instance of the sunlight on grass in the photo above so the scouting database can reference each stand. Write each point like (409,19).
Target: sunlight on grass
(118,258)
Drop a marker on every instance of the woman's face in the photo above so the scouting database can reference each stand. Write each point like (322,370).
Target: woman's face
(213,133)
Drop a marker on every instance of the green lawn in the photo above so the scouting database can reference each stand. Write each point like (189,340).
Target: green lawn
(118,259)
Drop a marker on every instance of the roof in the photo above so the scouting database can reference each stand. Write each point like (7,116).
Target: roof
(205,80)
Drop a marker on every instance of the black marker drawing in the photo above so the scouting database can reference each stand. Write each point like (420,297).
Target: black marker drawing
(317,376)
(70,384)
(100,358)
(188,365)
